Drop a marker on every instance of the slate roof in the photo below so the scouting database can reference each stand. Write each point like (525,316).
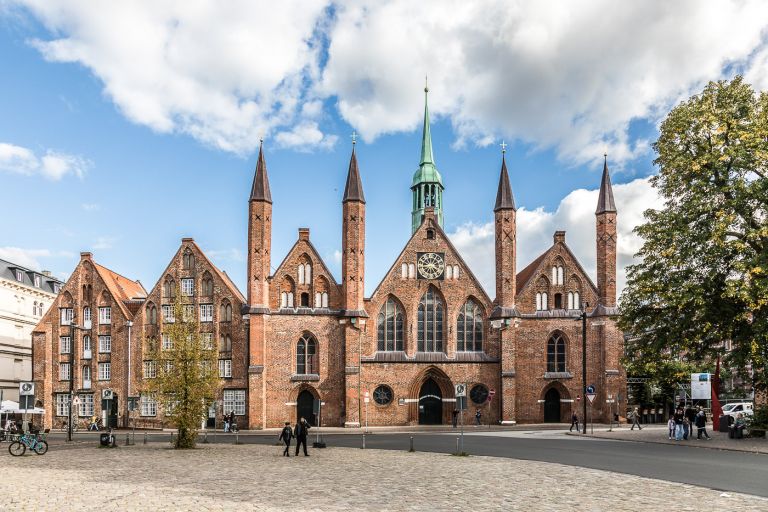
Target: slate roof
(354,188)
(504,198)
(605,202)
(8,272)
(260,189)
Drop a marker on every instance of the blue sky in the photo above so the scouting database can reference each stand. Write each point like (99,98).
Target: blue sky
(94,156)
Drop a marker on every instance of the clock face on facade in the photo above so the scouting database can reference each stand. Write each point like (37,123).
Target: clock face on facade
(431,265)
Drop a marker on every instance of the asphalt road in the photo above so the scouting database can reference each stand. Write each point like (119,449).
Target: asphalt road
(716,469)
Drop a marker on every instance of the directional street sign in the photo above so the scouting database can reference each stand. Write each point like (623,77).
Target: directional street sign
(76,401)
(591,389)
(461,390)
(26,388)
(591,397)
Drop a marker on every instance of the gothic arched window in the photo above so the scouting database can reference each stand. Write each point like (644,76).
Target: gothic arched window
(542,301)
(225,313)
(207,285)
(390,326)
(189,260)
(556,353)
(307,356)
(430,322)
(469,328)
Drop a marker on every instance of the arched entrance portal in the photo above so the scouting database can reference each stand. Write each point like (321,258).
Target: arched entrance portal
(304,407)
(552,406)
(430,404)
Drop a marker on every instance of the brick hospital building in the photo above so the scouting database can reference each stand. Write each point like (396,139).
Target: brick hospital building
(300,335)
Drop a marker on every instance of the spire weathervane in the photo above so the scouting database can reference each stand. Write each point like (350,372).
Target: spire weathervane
(354,138)
(426,84)
(503,147)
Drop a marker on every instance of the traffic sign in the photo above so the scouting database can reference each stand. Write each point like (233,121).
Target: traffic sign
(76,401)
(367,394)
(591,397)
(578,398)
(490,394)
(461,390)
(26,388)
(591,389)
(461,403)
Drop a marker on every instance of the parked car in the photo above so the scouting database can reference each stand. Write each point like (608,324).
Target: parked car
(735,408)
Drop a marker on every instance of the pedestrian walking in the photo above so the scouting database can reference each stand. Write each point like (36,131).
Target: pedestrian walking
(671,427)
(678,417)
(478,415)
(701,424)
(226,423)
(686,428)
(285,436)
(635,414)
(455,417)
(300,433)
(574,422)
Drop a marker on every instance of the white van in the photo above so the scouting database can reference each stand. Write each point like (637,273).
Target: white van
(735,408)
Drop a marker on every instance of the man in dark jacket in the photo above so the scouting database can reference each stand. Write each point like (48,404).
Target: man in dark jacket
(285,435)
(701,423)
(300,432)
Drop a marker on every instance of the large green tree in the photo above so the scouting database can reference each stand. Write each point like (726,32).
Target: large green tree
(187,375)
(702,276)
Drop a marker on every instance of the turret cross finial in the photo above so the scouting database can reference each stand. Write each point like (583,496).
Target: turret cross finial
(354,138)
(503,147)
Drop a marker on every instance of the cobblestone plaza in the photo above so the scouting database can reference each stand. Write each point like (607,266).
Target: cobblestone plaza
(249,477)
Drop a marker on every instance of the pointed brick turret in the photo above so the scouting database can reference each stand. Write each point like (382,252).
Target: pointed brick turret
(354,189)
(605,217)
(504,198)
(605,201)
(260,189)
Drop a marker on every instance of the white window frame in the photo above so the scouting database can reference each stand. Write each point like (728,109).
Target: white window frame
(225,368)
(167,342)
(188,312)
(168,314)
(188,287)
(105,315)
(66,315)
(85,409)
(87,317)
(234,400)
(62,404)
(89,379)
(148,406)
(105,344)
(65,345)
(65,371)
(37,281)
(105,371)
(206,312)
(206,339)
(150,369)
(19,275)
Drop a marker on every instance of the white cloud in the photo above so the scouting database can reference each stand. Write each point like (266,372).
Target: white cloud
(91,207)
(104,242)
(566,75)
(224,73)
(30,258)
(576,215)
(232,254)
(24,257)
(52,165)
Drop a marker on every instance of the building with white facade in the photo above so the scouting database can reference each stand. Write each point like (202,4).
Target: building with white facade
(25,296)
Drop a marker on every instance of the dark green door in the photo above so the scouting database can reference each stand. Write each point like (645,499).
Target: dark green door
(552,406)
(430,404)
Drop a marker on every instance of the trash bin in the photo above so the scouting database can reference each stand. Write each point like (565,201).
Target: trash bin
(724,423)
(104,439)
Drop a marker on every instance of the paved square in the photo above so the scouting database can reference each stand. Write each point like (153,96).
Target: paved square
(253,477)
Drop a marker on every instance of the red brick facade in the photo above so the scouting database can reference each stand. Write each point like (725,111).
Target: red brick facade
(393,358)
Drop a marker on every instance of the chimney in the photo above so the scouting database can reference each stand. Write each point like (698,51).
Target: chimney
(86,256)
(46,273)
(304,234)
(559,237)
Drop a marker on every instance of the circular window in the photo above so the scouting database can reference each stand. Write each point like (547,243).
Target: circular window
(478,394)
(382,395)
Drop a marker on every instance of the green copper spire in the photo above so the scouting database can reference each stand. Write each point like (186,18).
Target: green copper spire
(427,185)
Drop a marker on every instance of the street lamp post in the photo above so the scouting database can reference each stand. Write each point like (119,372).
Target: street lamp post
(72,328)
(583,318)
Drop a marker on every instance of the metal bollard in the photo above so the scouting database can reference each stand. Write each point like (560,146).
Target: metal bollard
(411,449)
(237,437)
(145,438)
(363,447)
(205,437)
(171,437)
(457,445)
(127,440)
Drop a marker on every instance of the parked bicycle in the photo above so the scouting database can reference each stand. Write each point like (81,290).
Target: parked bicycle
(64,425)
(34,442)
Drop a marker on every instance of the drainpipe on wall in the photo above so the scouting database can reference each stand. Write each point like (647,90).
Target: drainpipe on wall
(127,412)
